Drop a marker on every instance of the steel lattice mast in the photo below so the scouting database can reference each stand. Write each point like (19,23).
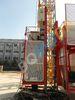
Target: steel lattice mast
(46,21)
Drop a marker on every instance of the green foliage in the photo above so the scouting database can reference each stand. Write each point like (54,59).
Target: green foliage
(1,62)
(14,63)
(10,65)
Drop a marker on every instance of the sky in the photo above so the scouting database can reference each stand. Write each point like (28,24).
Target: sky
(15,15)
(60,9)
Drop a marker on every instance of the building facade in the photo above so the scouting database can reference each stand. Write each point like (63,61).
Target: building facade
(11,49)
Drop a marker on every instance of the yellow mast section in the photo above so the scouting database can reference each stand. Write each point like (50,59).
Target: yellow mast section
(50,23)
(50,4)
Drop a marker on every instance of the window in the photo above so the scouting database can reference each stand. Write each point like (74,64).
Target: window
(16,51)
(1,45)
(1,50)
(22,51)
(16,58)
(21,58)
(8,51)
(15,45)
(7,57)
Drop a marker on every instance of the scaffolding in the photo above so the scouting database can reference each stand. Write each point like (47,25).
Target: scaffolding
(50,4)
(49,21)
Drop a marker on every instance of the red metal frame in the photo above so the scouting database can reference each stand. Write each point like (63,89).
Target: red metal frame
(61,44)
(71,50)
(36,83)
(45,48)
(68,49)
(57,49)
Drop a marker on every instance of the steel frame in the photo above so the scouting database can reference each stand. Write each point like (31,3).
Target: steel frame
(68,49)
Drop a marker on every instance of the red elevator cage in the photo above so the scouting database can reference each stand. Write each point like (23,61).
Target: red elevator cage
(65,55)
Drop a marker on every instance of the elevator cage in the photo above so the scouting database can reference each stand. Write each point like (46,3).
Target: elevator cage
(61,57)
(34,57)
(65,55)
(70,33)
(70,43)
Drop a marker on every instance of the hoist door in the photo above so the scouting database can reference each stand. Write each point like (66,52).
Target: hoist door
(34,61)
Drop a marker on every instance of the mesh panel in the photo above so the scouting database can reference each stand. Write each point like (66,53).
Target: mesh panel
(34,61)
(71,32)
(70,12)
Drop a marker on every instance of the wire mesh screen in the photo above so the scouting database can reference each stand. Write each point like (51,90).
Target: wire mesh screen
(71,32)
(70,12)
(34,61)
